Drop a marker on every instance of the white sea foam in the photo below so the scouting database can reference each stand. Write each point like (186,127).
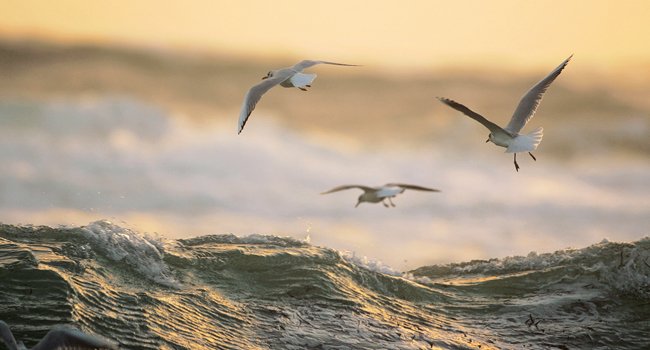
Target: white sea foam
(369,263)
(143,254)
(621,268)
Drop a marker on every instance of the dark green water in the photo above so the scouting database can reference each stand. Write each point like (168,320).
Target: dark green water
(266,292)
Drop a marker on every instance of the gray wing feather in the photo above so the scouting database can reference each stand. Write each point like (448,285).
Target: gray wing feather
(253,96)
(7,336)
(468,112)
(66,338)
(347,187)
(530,101)
(308,63)
(412,187)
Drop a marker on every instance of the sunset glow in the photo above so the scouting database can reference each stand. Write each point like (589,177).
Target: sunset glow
(420,34)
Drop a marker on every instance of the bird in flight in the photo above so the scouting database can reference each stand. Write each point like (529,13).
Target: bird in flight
(285,77)
(509,137)
(57,338)
(382,193)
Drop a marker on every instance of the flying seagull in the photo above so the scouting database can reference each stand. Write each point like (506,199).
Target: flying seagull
(381,193)
(286,77)
(59,338)
(509,137)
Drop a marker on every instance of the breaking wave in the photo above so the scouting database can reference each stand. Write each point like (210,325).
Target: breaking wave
(269,292)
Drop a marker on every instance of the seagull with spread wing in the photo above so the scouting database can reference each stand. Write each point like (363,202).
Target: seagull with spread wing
(59,338)
(286,77)
(382,193)
(509,137)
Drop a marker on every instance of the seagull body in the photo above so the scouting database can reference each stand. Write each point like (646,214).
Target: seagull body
(509,137)
(286,77)
(381,193)
(59,338)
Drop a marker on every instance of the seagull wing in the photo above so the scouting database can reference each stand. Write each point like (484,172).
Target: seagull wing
(529,102)
(66,338)
(495,129)
(298,67)
(254,95)
(7,336)
(412,187)
(347,187)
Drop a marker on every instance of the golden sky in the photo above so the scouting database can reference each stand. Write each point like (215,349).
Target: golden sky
(420,34)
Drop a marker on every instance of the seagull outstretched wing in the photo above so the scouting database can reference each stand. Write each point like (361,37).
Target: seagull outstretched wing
(70,338)
(347,187)
(530,101)
(254,95)
(298,67)
(495,129)
(412,187)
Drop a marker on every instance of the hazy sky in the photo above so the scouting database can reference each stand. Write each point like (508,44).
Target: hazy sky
(163,183)
(419,34)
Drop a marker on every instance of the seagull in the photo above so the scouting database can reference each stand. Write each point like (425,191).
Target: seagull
(381,193)
(509,137)
(59,338)
(286,77)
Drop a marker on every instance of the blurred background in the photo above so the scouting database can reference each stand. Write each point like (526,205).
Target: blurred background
(127,111)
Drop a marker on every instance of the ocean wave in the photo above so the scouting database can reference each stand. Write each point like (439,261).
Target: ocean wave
(141,252)
(618,267)
(269,292)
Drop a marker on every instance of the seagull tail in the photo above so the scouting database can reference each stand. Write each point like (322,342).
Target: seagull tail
(301,80)
(527,142)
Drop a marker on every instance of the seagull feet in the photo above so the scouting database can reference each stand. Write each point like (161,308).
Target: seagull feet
(516,165)
(385,205)
(302,88)
(391,203)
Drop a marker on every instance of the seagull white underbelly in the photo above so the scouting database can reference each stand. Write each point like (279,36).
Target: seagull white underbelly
(371,197)
(501,139)
(389,192)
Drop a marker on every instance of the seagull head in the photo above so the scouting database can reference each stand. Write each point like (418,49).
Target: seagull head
(268,75)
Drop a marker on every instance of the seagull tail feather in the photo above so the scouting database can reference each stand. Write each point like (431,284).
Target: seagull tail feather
(527,142)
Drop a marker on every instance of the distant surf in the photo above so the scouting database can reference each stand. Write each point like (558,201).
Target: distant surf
(72,161)
(269,292)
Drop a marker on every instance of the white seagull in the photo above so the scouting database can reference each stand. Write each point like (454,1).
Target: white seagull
(509,137)
(381,193)
(286,77)
(59,338)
